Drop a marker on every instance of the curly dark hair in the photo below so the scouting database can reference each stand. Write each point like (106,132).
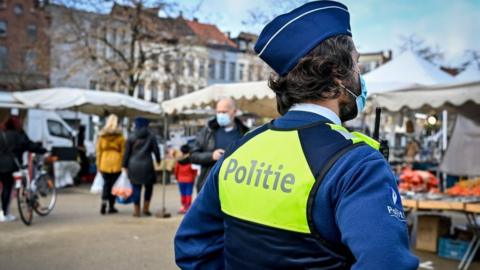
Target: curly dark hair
(313,77)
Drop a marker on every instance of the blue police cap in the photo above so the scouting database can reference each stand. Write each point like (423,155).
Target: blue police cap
(291,36)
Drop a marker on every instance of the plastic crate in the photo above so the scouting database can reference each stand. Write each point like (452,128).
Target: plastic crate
(452,249)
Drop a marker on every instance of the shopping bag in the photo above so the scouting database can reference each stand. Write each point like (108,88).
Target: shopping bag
(97,185)
(122,200)
(122,187)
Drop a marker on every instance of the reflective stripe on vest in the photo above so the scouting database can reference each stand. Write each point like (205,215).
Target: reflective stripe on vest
(355,136)
(268,180)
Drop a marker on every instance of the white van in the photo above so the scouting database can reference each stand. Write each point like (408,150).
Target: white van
(48,128)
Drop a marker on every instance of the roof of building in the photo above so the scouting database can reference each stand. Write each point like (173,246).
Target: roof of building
(209,33)
(247,36)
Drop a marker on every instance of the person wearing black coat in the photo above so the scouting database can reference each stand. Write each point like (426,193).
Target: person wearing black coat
(13,143)
(138,163)
(212,141)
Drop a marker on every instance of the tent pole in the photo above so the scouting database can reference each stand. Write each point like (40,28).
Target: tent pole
(164,213)
(444,144)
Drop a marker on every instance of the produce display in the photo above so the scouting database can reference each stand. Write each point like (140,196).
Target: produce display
(418,181)
(465,188)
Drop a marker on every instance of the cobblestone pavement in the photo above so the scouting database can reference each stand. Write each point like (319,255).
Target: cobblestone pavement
(75,236)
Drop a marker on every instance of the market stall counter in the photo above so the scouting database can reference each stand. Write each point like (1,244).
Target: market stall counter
(425,205)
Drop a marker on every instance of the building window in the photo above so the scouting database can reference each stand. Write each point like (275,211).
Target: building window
(31,61)
(232,71)
(211,69)
(180,90)
(154,91)
(167,63)
(190,67)
(113,86)
(241,71)
(32,32)
(201,69)
(223,71)
(3,58)
(179,67)
(259,73)
(18,9)
(3,28)
(250,73)
(93,85)
(191,89)
(166,91)
(154,62)
(141,90)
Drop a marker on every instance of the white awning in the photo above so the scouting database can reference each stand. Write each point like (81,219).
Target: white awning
(453,95)
(99,103)
(251,97)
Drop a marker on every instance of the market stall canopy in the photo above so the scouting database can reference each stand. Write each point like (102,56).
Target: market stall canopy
(99,103)
(251,97)
(463,97)
(463,153)
(405,71)
(7,101)
(471,73)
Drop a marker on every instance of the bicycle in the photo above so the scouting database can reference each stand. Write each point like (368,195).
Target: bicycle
(35,189)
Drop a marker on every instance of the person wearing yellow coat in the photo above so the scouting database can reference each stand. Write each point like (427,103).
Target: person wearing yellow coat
(110,149)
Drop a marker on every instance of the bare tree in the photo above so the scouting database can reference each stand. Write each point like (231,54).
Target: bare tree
(259,17)
(121,39)
(417,45)
(473,57)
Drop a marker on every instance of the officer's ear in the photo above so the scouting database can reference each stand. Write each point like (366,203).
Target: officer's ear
(340,86)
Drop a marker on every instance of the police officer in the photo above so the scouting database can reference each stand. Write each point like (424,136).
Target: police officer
(302,192)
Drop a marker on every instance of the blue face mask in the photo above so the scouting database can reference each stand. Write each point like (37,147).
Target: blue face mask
(223,119)
(361,100)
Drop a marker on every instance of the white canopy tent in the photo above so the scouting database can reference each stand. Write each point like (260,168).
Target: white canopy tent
(471,73)
(8,101)
(464,97)
(251,97)
(405,71)
(462,157)
(87,101)
(463,154)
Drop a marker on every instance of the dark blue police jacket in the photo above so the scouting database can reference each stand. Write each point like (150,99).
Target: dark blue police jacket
(357,212)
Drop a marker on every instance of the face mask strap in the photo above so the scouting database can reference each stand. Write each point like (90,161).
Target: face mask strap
(351,93)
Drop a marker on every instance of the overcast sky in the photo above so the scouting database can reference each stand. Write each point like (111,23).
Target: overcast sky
(453,25)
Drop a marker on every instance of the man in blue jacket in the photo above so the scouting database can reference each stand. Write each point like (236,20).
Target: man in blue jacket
(302,192)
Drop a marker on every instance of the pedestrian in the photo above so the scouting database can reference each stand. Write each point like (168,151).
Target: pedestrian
(212,141)
(138,163)
(13,143)
(82,152)
(110,150)
(301,192)
(185,175)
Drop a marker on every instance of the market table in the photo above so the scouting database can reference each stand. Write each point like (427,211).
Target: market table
(471,211)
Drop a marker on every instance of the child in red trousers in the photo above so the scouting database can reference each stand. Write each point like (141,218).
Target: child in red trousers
(185,175)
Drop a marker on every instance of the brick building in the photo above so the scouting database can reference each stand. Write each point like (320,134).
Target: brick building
(24,45)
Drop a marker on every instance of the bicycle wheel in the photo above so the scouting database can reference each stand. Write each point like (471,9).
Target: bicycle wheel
(24,205)
(45,195)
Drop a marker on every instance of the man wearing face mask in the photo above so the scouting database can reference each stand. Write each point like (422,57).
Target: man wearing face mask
(302,192)
(212,141)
